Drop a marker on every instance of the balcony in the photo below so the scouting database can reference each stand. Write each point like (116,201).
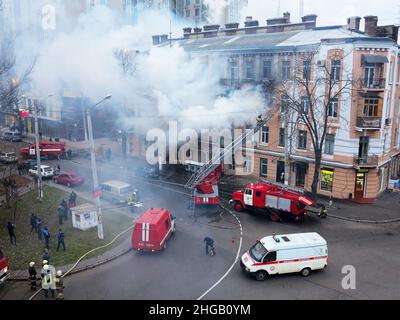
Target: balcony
(373,123)
(366,162)
(375,84)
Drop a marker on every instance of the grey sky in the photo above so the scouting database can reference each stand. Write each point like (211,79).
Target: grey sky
(329,12)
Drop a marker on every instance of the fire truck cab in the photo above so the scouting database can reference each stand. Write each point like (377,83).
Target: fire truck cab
(4,269)
(293,253)
(152,230)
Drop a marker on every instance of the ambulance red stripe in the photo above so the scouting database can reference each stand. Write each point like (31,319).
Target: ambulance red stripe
(289,261)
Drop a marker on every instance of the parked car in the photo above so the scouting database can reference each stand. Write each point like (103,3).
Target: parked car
(8,157)
(12,136)
(46,171)
(151,172)
(117,192)
(69,179)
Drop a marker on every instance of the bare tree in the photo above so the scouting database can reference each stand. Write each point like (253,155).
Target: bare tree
(127,60)
(311,96)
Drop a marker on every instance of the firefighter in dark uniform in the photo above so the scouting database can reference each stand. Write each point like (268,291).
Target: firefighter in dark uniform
(59,286)
(209,245)
(32,276)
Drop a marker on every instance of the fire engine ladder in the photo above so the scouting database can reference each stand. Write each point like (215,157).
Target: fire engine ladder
(213,164)
(283,186)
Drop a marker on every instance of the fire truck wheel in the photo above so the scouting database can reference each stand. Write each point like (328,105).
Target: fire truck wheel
(305,272)
(261,275)
(238,206)
(275,218)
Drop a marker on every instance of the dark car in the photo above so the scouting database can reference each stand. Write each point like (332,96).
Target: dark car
(151,172)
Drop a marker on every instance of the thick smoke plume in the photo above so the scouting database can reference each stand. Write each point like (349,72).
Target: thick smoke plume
(164,84)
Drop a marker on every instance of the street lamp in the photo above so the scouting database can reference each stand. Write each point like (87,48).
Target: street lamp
(100,231)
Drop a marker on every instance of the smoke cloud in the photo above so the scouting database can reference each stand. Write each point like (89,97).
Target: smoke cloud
(165,84)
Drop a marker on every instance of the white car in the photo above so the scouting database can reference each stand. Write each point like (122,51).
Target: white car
(8,157)
(46,171)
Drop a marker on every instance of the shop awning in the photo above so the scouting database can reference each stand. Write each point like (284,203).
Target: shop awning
(373,59)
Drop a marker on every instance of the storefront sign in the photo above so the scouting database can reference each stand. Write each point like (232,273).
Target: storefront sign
(327,179)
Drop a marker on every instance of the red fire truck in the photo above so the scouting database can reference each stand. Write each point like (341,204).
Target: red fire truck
(47,148)
(278,201)
(4,269)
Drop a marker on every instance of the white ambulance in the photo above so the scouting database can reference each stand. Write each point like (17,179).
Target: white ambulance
(292,253)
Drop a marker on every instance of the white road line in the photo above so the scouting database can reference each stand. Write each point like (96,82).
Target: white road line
(234,263)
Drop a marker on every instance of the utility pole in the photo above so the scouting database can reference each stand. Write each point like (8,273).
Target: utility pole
(84,120)
(38,160)
(100,231)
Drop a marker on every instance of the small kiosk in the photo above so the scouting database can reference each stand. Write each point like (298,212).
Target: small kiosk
(84,217)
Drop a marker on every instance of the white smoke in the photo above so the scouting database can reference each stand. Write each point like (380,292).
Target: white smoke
(166,84)
(216,10)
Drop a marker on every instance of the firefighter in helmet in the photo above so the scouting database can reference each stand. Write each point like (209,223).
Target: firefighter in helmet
(59,285)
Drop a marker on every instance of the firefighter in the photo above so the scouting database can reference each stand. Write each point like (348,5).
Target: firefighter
(32,276)
(47,281)
(209,245)
(59,286)
(259,119)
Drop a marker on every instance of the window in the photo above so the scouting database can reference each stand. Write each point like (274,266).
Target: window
(265,135)
(234,70)
(258,251)
(335,70)
(267,69)
(305,105)
(371,107)
(285,102)
(264,167)
(188,2)
(197,12)
(302,140)
(281,137)
(270,257)
(329,144)
(306,70)
(250,69)
(369,75)
(285,70)
(327,179)
(333,108)
(187,13)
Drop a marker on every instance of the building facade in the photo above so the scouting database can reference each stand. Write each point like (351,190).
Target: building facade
(361,153)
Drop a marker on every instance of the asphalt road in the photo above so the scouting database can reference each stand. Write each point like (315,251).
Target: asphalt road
(184,272)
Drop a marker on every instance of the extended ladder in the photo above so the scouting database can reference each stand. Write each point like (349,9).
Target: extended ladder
(213,164)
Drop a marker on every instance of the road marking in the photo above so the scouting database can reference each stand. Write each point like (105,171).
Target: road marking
(234,263)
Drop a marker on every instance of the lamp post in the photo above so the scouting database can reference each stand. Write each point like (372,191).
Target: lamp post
(100,231)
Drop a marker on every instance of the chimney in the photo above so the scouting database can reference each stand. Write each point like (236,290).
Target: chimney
(197,30)
(250,22)
(371,25)
(211,27)
(234,25)
(353,23)
(310,20)
(156,40)
(187,32)
(286,16)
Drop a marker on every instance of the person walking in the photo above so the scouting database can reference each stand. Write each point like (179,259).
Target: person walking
(47,281)
(39,228)
(46,256)
(60,238)
(32,276)
(11,233)
(64,205)
(73,198)
(33,222)
(60,211)
(46,235)
(209,244)
(59,286)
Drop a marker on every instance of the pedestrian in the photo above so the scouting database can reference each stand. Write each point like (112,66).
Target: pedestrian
(64,205)
(72,198)
(209,244)
(39,228)
(60,211)
(59,286)
(46,235)
(69,154)
(33,222)
(47,281)
(60,238)
(11,232)
(46,255)
(58,169)
(40,135)
(32,276)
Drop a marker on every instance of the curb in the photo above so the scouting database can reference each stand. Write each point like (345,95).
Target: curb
(88,267)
